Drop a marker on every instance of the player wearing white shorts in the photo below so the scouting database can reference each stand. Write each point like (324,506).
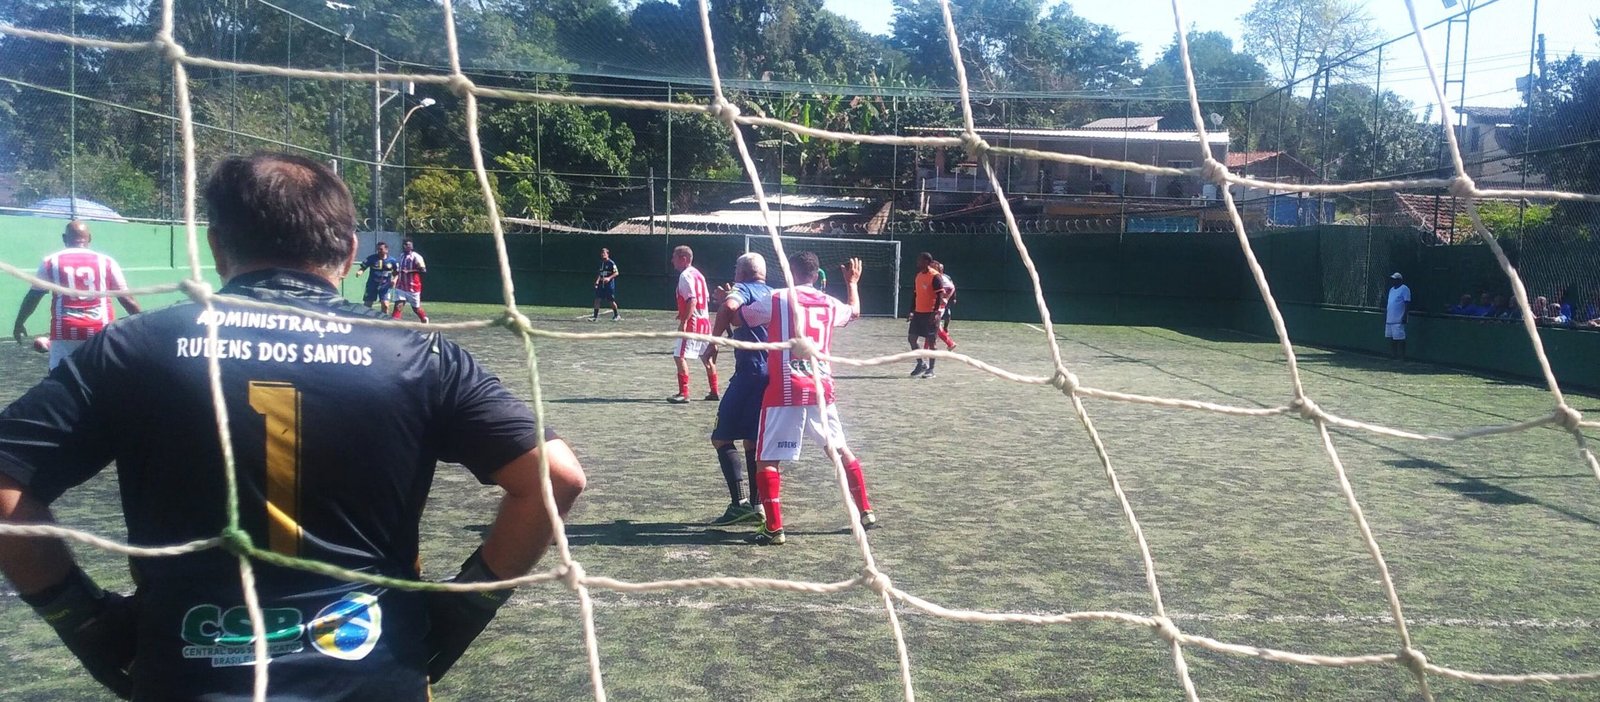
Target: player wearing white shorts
(790,408)
(693,301)
(408,282)
(74,320)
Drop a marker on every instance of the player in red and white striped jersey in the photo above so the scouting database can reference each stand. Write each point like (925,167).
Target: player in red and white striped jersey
(408,281)
(73,319)
(790,408)
(694,298)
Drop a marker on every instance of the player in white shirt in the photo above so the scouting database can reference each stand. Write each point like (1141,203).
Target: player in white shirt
(693,316)
(790,408)
(74,320)
(1394,327)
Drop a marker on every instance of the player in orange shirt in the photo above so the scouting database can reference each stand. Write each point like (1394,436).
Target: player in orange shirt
(927,303)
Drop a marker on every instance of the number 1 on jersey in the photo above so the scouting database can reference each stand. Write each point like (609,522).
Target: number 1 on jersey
(279,403)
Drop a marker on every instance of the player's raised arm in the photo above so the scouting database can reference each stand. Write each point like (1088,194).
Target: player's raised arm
(852,280)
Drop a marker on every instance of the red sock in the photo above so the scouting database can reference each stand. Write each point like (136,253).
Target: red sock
(396,313)
(927,343)
(858,484)
(945,337)
(422,315)
(711,377)
(683,384)
(771,483)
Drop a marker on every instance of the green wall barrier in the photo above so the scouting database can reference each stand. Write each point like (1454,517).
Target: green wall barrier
(150,254)
(1196,280)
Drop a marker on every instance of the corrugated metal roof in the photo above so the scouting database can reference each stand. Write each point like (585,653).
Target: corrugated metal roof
(1144,123)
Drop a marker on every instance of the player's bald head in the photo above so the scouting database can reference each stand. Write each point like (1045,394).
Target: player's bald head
(273,209)
(751,266)
(76,233)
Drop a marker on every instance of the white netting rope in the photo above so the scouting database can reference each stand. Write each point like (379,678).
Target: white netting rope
(572,574)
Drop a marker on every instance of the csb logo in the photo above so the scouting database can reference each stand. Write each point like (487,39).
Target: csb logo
(348,629)
(226,637)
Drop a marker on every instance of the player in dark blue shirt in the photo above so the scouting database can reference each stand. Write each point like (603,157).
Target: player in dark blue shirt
(383,267)
(605,287)
(739,412)
(316,481)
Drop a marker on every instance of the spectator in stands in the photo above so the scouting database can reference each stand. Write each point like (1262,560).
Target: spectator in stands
(1544,313)
(1590,316)
(1484,307)
(1562,304)
(1464,307)
(1502,309)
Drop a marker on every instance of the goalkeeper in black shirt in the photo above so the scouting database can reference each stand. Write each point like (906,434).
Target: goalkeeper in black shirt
(316,480)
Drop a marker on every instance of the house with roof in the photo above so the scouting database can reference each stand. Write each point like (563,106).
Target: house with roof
(1485,139)
(1047,188)
(1283,205)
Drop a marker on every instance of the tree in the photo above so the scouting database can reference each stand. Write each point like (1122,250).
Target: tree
(1302,37)
(1220,73)
(1563,143)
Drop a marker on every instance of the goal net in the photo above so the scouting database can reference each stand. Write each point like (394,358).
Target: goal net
(1401,652)
(880,266)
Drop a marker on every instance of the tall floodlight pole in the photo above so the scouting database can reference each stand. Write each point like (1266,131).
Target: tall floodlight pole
(377,145)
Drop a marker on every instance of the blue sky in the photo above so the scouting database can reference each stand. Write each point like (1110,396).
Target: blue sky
(1499,39)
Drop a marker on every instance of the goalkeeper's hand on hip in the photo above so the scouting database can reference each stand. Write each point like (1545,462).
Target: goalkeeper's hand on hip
(98,627)
(456,618)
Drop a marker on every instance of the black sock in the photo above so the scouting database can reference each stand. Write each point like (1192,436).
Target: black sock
(750,469)
(728,459)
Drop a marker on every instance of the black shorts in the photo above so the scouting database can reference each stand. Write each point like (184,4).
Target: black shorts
(605,291)
(924,323)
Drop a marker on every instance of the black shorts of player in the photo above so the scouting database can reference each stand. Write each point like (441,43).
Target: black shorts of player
(605,291)
(924,323)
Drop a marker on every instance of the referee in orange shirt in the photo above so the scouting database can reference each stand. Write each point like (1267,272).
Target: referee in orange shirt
(927,300)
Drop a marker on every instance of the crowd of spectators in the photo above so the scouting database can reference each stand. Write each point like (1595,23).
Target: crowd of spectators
(1557,312)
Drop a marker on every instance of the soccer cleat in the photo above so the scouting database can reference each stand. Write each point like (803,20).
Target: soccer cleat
(616,318)
(951,347)
(679,399)
(919,370)
(762,537)
(594,319)
(738,513)
(868,519)
(928,373)
(712,397)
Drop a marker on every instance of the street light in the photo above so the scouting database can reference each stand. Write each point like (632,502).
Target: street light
(425,102)
(377,138)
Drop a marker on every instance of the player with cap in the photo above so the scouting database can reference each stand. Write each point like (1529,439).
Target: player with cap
(1394,323)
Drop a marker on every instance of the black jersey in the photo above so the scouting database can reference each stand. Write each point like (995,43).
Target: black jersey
(325,473)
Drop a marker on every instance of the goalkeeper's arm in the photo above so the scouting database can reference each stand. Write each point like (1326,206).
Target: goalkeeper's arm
(97,626)
(521,532)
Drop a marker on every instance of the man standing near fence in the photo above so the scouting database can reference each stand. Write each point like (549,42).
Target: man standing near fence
(605,287)
(73,320)
(1396,312)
